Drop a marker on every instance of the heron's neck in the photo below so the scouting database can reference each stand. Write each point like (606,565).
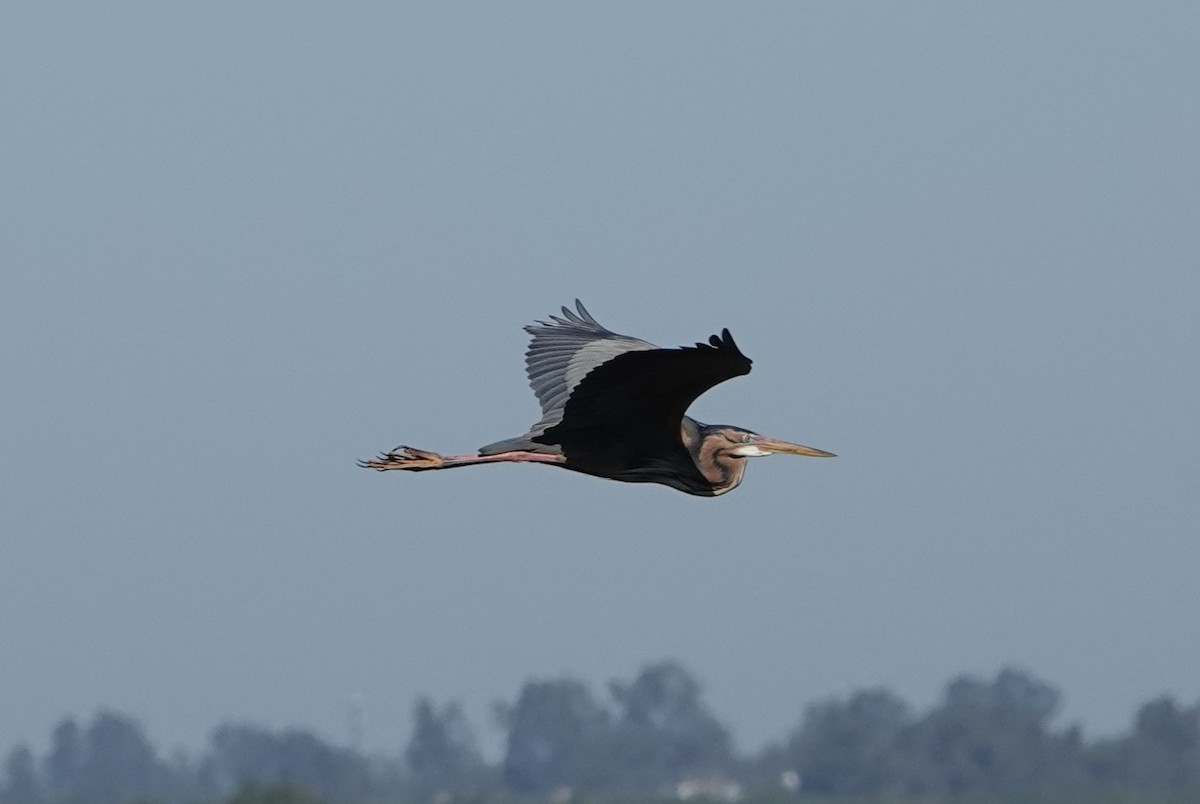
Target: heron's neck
(711,456)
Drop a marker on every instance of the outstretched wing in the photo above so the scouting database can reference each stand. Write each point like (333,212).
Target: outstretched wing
(586,376)
(647,391)
(564,351)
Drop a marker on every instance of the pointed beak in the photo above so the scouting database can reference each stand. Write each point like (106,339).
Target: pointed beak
(771,446)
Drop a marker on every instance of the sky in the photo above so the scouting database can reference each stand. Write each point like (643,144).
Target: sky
(242,246)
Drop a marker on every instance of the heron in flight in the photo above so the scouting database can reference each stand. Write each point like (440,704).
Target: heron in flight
(613,406)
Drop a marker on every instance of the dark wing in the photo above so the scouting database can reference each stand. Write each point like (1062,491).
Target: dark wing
(563,351)
(647,391)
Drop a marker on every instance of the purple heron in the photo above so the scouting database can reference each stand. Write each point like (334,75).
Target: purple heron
(613,406)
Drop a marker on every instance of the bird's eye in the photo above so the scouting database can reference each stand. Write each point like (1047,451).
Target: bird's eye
(747,438)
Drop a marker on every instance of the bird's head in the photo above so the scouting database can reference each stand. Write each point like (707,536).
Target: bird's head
(740,443)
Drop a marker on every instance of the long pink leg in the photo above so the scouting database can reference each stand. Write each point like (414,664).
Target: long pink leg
(418,460)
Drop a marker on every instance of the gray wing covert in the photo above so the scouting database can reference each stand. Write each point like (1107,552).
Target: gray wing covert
(563,351)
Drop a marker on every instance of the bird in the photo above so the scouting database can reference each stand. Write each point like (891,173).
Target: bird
(615,407)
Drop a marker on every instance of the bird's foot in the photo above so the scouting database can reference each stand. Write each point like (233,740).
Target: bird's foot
(402,457)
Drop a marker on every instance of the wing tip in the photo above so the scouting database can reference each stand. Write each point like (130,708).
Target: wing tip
(579,317)
(729,343)
(725,343)
(721,343)
(583,312)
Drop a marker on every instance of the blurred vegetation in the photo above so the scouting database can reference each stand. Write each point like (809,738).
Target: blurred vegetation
(647,740)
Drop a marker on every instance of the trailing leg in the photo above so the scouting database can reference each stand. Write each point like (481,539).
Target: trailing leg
(418,460)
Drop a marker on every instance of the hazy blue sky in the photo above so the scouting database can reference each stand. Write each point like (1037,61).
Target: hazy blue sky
(243,246)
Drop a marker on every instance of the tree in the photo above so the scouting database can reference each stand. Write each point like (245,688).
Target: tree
(442,754)
(276,794)
(986,737)
(1162,752)
(1167,737)
(21,781)
(558,736)
(119,764)
(242,755)
(843,747)
(664,732)
(63,764)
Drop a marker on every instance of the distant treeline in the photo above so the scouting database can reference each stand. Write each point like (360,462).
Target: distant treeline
(650,736)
